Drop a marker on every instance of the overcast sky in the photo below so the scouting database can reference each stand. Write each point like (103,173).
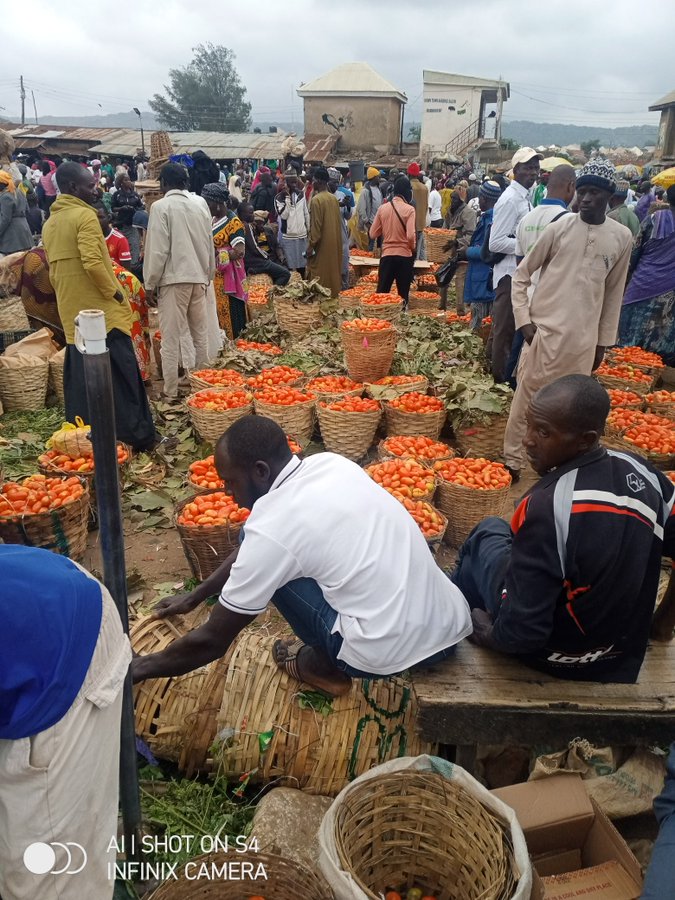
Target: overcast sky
(566,60)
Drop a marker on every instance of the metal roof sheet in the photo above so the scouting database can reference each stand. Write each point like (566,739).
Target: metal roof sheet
(219,145)
(668,100)
(320,147)
(351,79)
(449,78)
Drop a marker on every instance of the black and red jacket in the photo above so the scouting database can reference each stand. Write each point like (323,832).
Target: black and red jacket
(581,584)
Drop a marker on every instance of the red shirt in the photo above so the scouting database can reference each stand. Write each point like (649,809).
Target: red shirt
(118,247)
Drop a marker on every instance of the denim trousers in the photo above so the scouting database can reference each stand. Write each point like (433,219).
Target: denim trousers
(660,878)
(302,603)
(483,560)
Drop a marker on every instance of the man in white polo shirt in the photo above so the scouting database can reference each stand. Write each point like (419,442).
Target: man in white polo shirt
(339,557)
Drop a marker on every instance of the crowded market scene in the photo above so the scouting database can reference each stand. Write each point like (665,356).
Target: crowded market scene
(337,489)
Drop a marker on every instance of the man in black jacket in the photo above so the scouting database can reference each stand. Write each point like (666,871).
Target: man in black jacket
(262,196)
(571,585)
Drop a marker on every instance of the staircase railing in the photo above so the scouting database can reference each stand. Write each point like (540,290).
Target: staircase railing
(464,139)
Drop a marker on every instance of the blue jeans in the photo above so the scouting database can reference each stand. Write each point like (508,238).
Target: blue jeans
(302,604)
(660,878)
(483,560)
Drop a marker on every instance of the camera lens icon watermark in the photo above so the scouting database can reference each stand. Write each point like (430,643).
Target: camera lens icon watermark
(40,858)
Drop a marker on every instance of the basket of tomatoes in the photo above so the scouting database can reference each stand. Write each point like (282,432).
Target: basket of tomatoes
(470,489)
(334,387)
(655,442)
(47,512)
(394,385)
(415,413)
(351,297)
(644,360)
(427,283)
(276,376)
(263,876)
(419,447)
(426,301)
(432,523)
(662,403)
(258,303)
(382,306)
(290,408)
(625,377)
(202,476)
(215,378)
(405,478)
(348,425)
(213,410)
(209,526)
(485,329)
(258,347)
(369,346)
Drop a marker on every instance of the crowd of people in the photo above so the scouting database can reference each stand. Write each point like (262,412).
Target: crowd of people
(564,263)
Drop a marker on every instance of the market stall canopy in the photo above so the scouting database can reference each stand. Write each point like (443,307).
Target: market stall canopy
(665,179)
(549,164)
(216,144)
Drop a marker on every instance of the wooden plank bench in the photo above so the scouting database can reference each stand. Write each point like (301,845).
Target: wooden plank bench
(483,697)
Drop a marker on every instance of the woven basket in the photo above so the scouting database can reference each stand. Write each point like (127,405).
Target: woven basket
(262,279)
(400,422)
(199,384)
(13,314)
(160,144)
(296,420)
(258,309)
(623,384)
(422,304)
(663,461)
(465,507)
(612,357)
(56,364)
(283,879)
(612,440)
(89,479)
(7,338)
(246,693)
(391,312)
(348,433)
(368,356)
(396,390)
(662,409)
(62,530)
(207,546)
(483,440)
(383,453)
(435,239)
(427,498)
(330,396)
(25,386)
(435,542)
(348,302)
(295,318)
(418,829)
(210,424)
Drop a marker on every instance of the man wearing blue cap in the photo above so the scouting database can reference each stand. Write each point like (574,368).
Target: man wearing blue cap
(573,314)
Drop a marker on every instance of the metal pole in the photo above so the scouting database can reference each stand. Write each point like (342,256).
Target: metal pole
(22,94)
(98,383)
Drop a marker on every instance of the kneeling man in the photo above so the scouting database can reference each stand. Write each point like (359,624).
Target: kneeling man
(340,558)
(571,585)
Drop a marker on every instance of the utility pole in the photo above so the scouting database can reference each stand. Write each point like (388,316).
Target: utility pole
(23,101)
(32,93)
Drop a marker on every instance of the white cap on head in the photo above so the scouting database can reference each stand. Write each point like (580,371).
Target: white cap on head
(472,177)
(525,154)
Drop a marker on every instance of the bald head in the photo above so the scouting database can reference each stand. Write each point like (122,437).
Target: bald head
(578,403)
(561,184)
(76,180)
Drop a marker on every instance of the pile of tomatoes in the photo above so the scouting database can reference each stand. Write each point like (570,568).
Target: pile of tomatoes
(652,439)
(203,474)
(274,376)
(623,398)
(367,325)
(487,320)
(219,400)
(258,295)
(220,377)
(371,278)
(294,447)
(415,402)
(38,494)
(284,396)
(426,295)
(399,379)
(452,317)
(333,384)
(660,397)
(637,356)
(52,459)
(380,299)
(272,349)
(208,510)
(623,371)
(430,521)
(403,476)
(353,405)
(417,447)
(426,281)
(356,292)
(671,475)
(473,472)
(621,418)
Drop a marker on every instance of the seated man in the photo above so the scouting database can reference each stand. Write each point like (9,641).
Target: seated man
(257,260)
(340,558)
(571,585)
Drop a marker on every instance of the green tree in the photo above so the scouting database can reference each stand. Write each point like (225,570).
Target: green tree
(414,132)
(509,144)
(587,147)
(206,95)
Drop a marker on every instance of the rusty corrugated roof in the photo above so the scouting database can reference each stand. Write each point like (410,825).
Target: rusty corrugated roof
(320,147)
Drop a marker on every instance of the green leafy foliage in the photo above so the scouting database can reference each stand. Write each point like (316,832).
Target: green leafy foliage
(23,436)
(302,291)
(472,397)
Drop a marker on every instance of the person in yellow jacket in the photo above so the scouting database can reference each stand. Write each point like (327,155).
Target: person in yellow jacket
(81,272)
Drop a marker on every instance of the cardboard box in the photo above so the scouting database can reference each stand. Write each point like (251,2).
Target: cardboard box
(566,832)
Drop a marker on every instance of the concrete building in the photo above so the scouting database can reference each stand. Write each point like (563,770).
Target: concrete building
(456,118)
(356,103)
(665,145)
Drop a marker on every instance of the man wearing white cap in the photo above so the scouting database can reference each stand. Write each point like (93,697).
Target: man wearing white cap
(474,188)
(513,204)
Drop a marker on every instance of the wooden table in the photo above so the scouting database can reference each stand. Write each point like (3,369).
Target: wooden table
(482,697)
(370,262)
